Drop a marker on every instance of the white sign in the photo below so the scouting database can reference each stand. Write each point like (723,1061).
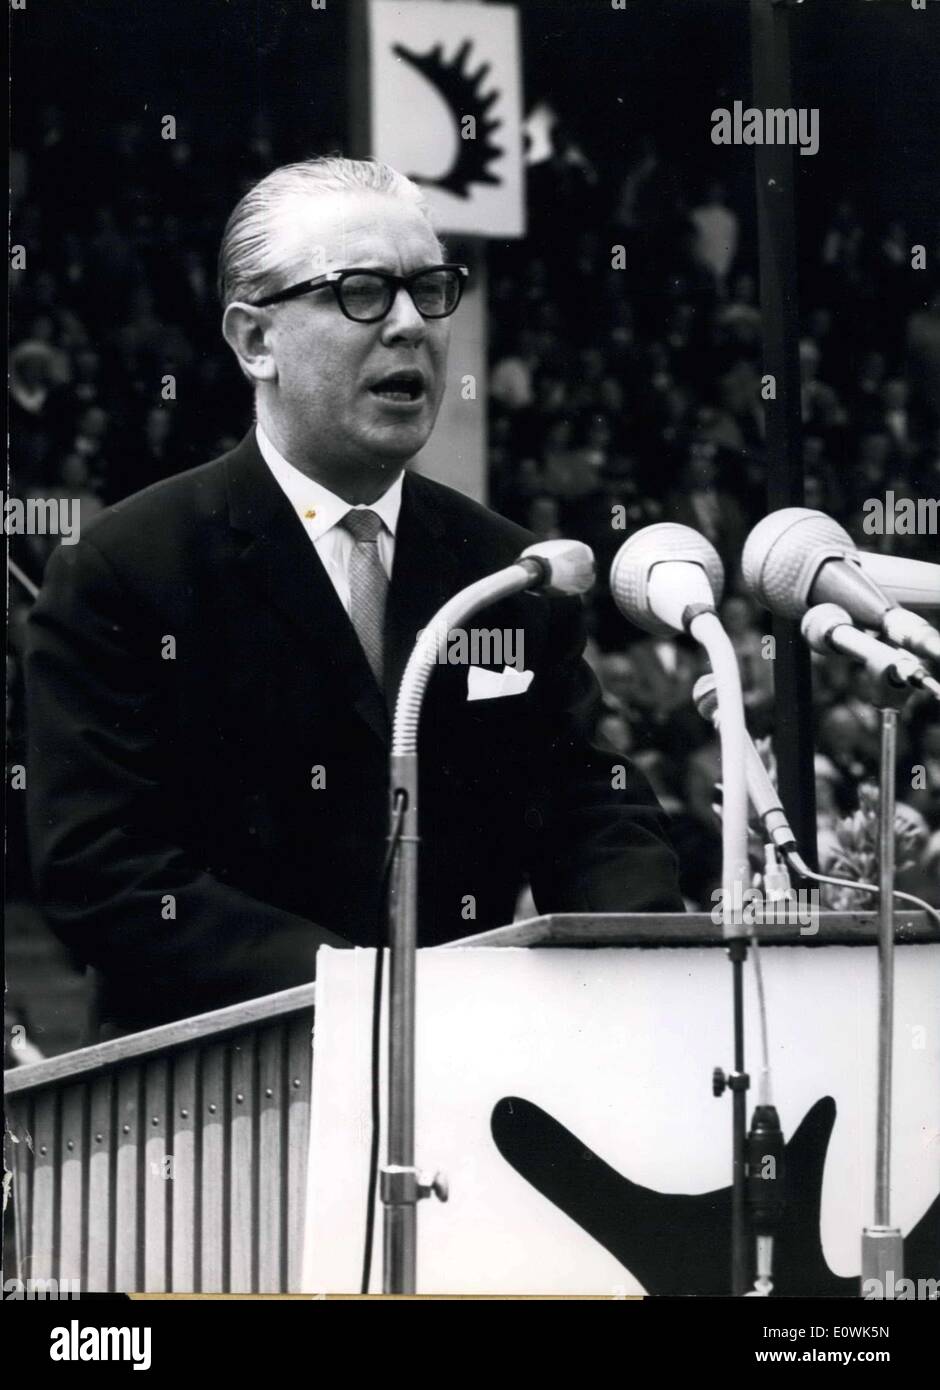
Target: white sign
(446,108)
(566,1094)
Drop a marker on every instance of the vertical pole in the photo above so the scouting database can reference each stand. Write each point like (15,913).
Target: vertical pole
(770,61)
(889,735)
(882,1244)
(740,1245)
(399,1186)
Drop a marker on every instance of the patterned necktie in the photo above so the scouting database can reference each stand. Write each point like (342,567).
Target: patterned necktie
(368,586)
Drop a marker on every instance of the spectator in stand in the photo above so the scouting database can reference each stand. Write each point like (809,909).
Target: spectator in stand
(156,459)
(149,346)
(739,321)
(542,518)
(716,243)
(821,408)
(865,399)
(841,739)
(699,501)
(34,375)
(896,419)
(511,381)
(922,356)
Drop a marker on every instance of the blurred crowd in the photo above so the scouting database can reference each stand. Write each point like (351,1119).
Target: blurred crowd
(625,382)
(625,388)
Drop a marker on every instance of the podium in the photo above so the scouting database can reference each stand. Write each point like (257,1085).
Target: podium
(564,1070)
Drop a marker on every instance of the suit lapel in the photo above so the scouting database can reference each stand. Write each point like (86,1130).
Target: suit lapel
(280,560)
(424,577)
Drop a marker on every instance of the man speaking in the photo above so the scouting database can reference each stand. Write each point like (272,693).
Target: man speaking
(211,668)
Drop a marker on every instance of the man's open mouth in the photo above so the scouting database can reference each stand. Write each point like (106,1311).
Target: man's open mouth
(399,386)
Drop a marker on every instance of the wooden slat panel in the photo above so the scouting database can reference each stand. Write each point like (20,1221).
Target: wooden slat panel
(228,1219)
(73,1213)
(272,1163)
(183,1211)
(43,1263)
(156,1181)
(299,1066)
(101,1150)
(20,1158)
(19,1119)
(243,1228)
(128,1264)
(212,1185)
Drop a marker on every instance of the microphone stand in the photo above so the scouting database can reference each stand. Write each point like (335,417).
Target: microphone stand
(401,1186)
(882,1243)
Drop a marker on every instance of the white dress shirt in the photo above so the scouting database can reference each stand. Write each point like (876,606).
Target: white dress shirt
(321,511)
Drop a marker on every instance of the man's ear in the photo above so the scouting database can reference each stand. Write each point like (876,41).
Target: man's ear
(246,329)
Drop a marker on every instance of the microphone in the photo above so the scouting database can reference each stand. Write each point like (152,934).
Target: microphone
(664,576)
(762,794)
(796,558)
(828,628)
(667,578)
(915,583)
(559,567)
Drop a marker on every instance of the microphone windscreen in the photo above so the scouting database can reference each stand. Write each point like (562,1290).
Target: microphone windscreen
(705,695)
(818,622)
(637,557)
(568,565)
(784,553)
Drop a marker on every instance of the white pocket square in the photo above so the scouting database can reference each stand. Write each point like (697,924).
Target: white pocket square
(492,685)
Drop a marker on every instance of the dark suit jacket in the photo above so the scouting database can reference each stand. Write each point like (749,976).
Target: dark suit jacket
(189,666)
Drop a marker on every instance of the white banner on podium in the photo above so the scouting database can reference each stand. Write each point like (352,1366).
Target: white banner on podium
(446,108)
(566,1094)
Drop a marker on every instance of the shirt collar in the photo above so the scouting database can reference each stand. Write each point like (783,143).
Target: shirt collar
(318,508)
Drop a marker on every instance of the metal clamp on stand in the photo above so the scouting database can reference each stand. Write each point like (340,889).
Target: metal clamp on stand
(405,1186)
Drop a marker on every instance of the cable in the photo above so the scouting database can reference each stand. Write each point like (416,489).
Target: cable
(803,869)
(375,1118)
(764,1089)
(799,866)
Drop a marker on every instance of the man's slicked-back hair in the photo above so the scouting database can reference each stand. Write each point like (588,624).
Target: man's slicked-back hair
(257,239)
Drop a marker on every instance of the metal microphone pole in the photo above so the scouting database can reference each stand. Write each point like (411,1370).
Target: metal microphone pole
(882,1243)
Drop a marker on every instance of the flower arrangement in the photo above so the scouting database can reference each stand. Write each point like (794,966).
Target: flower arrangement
(853,849)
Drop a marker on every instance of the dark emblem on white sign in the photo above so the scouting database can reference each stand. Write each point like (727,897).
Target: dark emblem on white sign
(462,92)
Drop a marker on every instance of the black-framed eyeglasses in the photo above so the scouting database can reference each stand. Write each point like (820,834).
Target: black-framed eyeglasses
(366,296)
